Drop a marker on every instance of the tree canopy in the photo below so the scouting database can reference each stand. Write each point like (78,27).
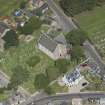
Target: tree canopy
(76,37)
(72,7)
(23,4)
(77,53)
(33,24)
(11,39)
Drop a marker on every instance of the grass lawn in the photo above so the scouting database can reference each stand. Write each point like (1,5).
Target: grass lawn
(56,88)
(7,6)
(94,23)
(3,96)
(19,56)
(10,58)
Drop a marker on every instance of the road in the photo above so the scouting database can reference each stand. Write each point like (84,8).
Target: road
(91,52)
(66,23)
(61,97)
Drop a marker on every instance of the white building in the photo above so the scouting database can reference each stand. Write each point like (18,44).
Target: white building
(73,78)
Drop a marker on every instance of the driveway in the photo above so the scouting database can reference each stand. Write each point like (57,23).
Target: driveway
(78,87)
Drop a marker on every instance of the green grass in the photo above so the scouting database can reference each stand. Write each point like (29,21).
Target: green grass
(94,23)
(3,96)
(6,7)
(10,58)
(20,55)
(56,88)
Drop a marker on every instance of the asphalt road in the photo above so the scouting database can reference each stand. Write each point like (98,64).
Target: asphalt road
(66,23)
(61,97)
(92,53)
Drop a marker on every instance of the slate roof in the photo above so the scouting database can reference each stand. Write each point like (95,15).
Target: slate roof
(48,43)
(60,39)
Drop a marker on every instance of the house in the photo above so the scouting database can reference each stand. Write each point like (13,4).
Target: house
(3,29)
(55,48)
(72,78)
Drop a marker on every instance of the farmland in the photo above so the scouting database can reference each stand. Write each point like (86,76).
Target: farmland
(93,22)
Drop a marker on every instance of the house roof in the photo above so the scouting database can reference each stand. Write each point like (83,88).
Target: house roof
(3,27)
(60,39)
(71,77)
(48,43)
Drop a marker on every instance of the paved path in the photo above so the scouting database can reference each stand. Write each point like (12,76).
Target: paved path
(61,97)
(66,23)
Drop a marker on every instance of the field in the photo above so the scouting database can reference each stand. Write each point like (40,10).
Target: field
(6,6)
(93,22)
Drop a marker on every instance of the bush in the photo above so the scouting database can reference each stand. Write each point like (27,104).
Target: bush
(34,60)
(72,7)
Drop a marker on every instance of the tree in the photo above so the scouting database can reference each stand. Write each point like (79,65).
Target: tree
(41,81)
(61,64)
(11,39)
(23,4)
(72,7)
(52,73)
(76,37)
(77,53)
(33,24)
(19,76)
